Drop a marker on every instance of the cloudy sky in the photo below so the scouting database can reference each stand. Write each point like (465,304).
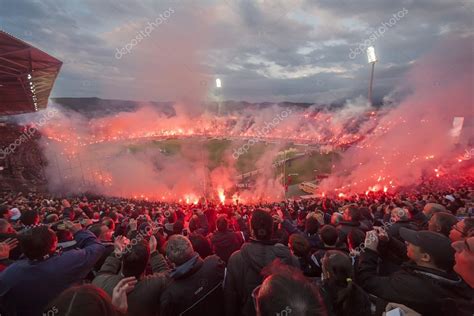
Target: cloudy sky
(263,50)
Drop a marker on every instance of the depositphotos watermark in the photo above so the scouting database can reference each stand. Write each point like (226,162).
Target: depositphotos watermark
(384,26)
(286,312)
(261,133)
(27,134)
(50,312)
(143,33)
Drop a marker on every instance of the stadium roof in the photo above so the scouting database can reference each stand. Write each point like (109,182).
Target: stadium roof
(27,76)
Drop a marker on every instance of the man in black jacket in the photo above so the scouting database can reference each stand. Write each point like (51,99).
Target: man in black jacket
(245,265)
(224,241)
(196,286)
(351,219)
(428,285)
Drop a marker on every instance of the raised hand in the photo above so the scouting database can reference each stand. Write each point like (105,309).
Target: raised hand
(119,294)
(6,246)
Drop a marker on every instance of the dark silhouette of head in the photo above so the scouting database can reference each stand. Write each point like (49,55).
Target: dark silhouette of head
(38,242)
(222,223)
(135,260)
(201,245)
(287,292)
(329,235)
(82,300)
(262,225)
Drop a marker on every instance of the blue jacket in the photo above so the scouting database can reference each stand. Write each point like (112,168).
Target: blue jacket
(26,286)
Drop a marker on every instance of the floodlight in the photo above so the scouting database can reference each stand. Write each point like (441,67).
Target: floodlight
(371,54)
(218,83)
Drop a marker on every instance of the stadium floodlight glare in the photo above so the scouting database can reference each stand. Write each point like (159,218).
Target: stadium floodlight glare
(371,54)
(218,83)
(372,59)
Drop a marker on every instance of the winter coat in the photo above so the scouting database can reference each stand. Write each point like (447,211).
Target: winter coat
(144,299)
(195,289)
(427,291)
(244,273)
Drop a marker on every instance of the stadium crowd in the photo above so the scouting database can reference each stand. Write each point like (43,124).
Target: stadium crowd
(360,255)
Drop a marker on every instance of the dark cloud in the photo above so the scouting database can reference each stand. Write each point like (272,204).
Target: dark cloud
(293,50)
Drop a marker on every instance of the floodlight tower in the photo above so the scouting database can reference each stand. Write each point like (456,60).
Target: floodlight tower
(218,87)
(372,60)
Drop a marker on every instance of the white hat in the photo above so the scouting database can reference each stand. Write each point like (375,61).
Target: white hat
(450,198)
(14,214)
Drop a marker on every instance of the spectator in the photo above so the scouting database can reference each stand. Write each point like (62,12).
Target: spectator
(224,241)
(245,265)
(196,287)
(6,229)
(425,285)
(310,232)
(300,248)
(143,299)
(4,212)
(329,237)
(45,274)
(442,223)
(201,244)
(400,217)
(91,301)
(355,239)
(29,218)
(351,218)
(464,258)
(336,218)
(430,208)
(287,292)
(104,234)
(342,295)
(198,223)
(461,229)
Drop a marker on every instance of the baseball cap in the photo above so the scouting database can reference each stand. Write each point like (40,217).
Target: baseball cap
(14,214)
(436,245)
(449,198)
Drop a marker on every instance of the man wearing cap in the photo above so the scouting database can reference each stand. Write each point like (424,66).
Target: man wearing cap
(426,284)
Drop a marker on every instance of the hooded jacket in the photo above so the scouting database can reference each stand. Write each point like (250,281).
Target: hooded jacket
(195,289)
(244,273)
(225,243)
(427,291)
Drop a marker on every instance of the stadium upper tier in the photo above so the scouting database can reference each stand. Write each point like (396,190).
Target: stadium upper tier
(27,76)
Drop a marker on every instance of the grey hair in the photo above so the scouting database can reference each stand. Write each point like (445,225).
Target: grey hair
(179,249)
(399,213)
